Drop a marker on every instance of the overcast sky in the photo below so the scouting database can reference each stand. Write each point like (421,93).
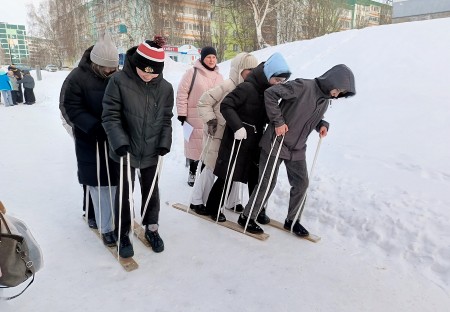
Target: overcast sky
(16,12)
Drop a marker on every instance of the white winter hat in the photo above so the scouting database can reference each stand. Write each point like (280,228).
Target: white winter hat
(104,52)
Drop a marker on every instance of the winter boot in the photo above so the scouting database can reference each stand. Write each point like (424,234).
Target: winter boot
(239,208)
(262,217)
(125,247)
(222,217)
(191,179)
(199,209)
(155,240)
(298,229)
(92,223)
(109,239)
(252,226)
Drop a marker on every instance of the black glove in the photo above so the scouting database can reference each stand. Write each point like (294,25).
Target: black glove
(182,119)
(123,150)
(162,151)
(100,134)
(212,126)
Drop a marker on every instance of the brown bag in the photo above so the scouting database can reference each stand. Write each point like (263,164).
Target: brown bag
(15,264)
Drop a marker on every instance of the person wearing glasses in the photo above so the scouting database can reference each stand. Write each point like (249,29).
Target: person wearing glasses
(245,116)
(294,109)
(81,106)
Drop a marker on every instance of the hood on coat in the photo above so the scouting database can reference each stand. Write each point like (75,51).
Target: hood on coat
(338,77)
(240,62)
(258,78)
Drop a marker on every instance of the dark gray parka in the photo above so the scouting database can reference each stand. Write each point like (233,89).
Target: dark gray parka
(138,114)
(302,107)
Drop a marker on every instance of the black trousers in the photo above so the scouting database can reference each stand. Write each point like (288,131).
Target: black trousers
(152,214)
(29,96)
(90,204)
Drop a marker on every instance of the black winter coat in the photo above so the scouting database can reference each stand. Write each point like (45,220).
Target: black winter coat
(243,107)
(81,106)
(138,114)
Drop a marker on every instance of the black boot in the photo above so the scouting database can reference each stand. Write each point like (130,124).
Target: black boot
(92,223)
(191,179)
(298,229)
(222,217)
(252,226)
(155,240)
(125,248)
(109,239)
(237,209)
(262,217)
(199,209)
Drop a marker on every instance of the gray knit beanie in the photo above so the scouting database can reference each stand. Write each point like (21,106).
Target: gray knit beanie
(104,52)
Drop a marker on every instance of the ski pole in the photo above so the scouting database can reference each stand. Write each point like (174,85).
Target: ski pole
(156,176)
(130,197)
(109,183)
(298,215)
(200,164)
(97,157)
(120,205)
(262,176)
(226,176)
(230,178)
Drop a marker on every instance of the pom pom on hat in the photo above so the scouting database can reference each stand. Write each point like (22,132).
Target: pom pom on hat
(149,55)
(207,51)
(104,52)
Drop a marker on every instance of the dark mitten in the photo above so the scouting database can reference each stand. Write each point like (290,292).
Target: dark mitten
(212,126)
(123,150)
(100,134)
(182,119)
(163,151)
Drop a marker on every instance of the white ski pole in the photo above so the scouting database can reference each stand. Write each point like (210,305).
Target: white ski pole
(298,215)
(156,176)
(262,176)
(111,205)
(200,164)
(230,178)
(120,205)
(130,198)
(97,156)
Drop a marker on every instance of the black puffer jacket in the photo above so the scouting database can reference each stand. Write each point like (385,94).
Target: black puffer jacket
(138,114)
(243,107)
(81,106)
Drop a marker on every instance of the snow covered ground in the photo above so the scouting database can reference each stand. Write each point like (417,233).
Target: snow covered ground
(379,199)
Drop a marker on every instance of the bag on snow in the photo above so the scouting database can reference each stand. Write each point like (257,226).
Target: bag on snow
(20,255)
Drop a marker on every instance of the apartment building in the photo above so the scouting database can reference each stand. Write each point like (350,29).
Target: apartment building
(14,46)
(416,10)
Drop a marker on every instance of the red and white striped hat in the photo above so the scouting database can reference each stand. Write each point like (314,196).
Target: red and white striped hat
(149,56)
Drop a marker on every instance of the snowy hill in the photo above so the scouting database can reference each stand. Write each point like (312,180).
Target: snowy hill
(379,199)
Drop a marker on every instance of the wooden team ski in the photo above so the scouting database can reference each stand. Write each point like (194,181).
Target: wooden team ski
(140,234)
(311,237)
(228,224)
(127,263)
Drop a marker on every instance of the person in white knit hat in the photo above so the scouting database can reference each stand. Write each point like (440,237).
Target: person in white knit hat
(81,106)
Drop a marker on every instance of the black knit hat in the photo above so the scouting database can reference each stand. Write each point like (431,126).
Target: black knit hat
(149,56)
(207,51)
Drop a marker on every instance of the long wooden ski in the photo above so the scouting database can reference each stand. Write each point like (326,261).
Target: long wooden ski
(228,224)
(311,237)
(129,264)
(140,234)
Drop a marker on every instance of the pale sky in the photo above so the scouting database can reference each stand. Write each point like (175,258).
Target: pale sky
(15,12)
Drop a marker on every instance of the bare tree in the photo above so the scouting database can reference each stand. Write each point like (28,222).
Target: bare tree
(244,35)
(321,17)
(260,10)
(289,21)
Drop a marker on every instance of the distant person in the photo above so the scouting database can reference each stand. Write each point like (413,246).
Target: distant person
(5,88)
(14,86)
(203,76)
(294,109)
(245,115)
(213,128)
(137,117)
(81,106)
(18,74)
(28,86)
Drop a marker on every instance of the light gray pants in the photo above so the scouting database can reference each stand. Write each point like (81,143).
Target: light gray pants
(298,179)
(106,223)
